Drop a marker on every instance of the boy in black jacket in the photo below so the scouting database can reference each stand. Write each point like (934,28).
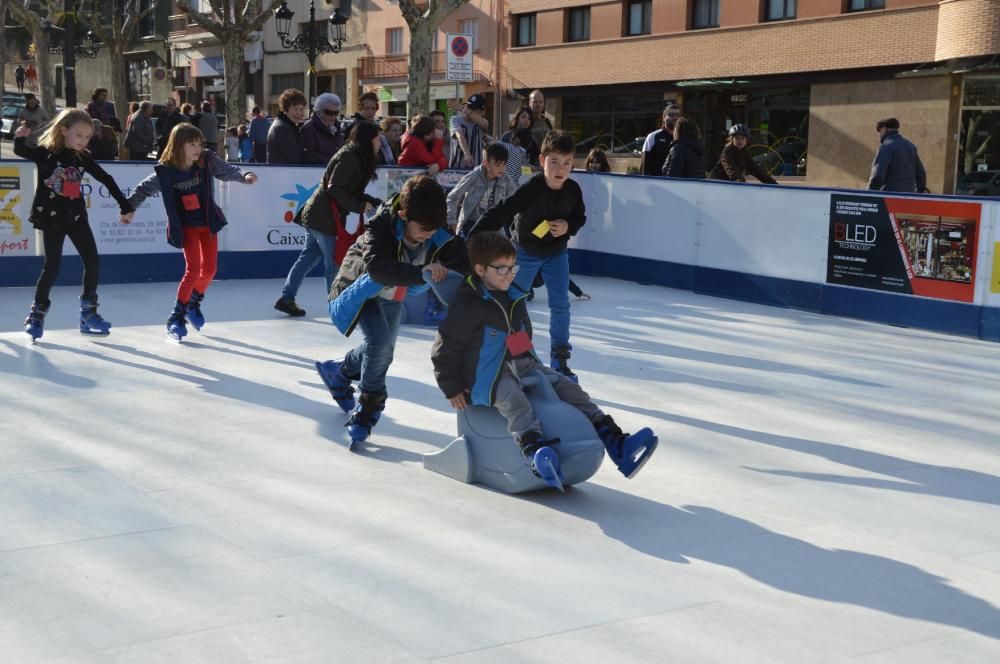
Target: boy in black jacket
(404,248)
(545,212)
(484,345)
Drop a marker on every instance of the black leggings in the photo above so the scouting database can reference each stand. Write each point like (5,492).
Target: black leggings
(83,239)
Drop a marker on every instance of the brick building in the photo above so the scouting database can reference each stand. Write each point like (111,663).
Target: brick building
(810,77)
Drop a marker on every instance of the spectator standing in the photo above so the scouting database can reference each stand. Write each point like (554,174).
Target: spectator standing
(736,163)
(19,76)
(259,126)
(523,119)
(421,146)
(208,123)
(467,135)
(232,145)
(32,76)
(897,166)
(139,138)
(367,110)
(284,143)
(99,107)
(34,116)
(686,158)
(246,145)
(542,125)
(170,118)
(321,134)
(392,134)
(101,147)
(657,145)
(441,125)
(597,162)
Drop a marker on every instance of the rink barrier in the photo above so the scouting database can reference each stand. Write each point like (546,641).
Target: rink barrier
(759,243)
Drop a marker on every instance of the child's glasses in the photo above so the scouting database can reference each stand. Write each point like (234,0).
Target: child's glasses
(504,270)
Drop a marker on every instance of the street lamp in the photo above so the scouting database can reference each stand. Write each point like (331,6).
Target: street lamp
(311,42)
(71,48)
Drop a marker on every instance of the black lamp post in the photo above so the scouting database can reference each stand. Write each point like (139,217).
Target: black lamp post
(71,49)
(311,42)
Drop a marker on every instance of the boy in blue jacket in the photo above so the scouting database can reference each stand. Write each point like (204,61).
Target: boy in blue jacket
(484,345)
(405,247)
(544,213)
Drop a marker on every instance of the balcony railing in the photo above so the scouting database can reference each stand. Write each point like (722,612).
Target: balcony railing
(397,66)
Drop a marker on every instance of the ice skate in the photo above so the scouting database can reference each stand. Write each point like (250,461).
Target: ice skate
(332,373)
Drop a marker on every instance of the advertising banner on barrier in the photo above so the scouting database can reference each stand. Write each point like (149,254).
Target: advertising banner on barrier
(17,187)
(901,245)
(260,215)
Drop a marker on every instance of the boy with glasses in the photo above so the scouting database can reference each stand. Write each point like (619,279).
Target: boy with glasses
(484,347)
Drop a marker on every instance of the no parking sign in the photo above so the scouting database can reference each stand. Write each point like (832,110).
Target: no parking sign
(459,57)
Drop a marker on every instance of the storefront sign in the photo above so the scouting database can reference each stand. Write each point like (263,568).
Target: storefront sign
(913,246)
(459,58)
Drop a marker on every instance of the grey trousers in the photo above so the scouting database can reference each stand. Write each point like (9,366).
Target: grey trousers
(514,405)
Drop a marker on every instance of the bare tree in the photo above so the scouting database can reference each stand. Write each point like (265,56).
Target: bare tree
(423,23)
(31,15)
(115,24)
(232,22)
(3,53)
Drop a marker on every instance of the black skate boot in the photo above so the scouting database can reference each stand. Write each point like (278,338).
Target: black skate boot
(195,317)
(289,307)
(365,415)
(90,321)
(176,325)
(560,362)
(630,452)
(35,322)
(543,459)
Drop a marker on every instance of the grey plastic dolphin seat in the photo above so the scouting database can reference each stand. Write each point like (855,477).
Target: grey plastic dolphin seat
(485,453)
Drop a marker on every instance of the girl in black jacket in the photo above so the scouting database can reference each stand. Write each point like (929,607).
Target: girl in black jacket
(686,158)
(60,211)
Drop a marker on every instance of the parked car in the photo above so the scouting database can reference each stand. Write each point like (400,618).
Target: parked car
(979,183)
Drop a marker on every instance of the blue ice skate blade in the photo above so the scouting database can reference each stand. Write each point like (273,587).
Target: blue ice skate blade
(546,464)
(485,453)
(642,443)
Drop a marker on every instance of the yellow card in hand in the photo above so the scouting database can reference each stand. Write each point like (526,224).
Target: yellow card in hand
(541,229)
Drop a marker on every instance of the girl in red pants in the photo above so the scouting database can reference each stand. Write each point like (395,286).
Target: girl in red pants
(185,176)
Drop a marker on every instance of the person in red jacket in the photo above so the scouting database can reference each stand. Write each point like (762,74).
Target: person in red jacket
(422,146)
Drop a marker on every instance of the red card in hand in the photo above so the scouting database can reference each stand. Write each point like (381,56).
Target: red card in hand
(519,343)
(71,189)
(191,202)
(400,294)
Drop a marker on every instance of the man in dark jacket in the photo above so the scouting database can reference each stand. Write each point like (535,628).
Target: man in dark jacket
(657,145)
(139,138)
(321,135)
(170,118)
(284,144)
(404,248)
(259,126)
(897,166)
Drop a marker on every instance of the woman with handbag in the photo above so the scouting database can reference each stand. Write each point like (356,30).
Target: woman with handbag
(324,215)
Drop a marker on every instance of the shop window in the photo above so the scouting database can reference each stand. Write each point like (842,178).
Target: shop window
(617,124)
(979,138)
(525,30)
(578,25)
(865,5)
(780,10)
(394,41)
(705,14)
(640,17)
(282,82)
(470,26)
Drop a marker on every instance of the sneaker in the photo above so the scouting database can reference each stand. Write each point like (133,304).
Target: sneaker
(289,307)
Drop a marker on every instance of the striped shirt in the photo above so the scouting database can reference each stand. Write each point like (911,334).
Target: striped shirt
(517,158)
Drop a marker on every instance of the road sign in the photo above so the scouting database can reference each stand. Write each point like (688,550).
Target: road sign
(459,58)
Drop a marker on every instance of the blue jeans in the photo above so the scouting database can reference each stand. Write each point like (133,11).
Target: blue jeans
(319,247)
(555,271)
(379,323)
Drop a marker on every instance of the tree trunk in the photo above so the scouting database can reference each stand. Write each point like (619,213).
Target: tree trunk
(421,64)
(3,52)
(236,97)
(43,63)
(118,91)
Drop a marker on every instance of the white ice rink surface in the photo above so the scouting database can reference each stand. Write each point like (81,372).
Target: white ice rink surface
(825,490)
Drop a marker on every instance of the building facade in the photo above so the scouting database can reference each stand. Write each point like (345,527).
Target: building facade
(810,77)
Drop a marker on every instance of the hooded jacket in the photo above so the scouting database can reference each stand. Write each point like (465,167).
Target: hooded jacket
(686,159)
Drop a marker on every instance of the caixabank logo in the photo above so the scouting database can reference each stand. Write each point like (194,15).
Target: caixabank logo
(286,234)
